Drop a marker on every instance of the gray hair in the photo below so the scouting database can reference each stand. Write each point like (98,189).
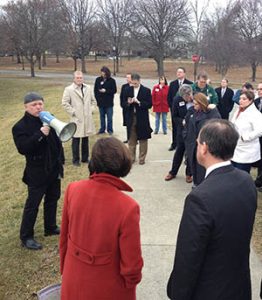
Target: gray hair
(185,90)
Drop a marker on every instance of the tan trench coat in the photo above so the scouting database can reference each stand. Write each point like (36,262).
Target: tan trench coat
(80,108)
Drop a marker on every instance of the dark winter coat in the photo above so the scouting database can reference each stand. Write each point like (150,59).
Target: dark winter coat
(105,99)
(141,111)
(42,153)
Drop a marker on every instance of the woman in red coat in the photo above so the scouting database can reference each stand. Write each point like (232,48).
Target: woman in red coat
(100,248)
(160,104)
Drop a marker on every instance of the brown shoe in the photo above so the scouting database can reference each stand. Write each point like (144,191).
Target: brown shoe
(141,162)
(189,179)
(169,177)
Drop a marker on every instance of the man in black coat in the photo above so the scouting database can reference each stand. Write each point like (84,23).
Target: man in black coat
(137,102)
(258,103)
(213,244)
(172,92)
(124,89)
(225,96)
(181,104)
(43,171)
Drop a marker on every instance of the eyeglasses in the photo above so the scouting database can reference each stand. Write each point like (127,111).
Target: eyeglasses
(259,89)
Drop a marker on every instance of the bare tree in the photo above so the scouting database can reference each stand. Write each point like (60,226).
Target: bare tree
(249,23)
(220,41)
(28,25)
(78,18)
(159,24)
(115,15)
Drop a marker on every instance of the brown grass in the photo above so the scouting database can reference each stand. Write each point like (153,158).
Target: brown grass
(146,67)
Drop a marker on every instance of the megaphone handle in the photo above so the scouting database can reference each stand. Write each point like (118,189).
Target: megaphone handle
(46,124)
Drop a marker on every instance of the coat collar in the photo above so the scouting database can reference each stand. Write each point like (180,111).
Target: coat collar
(221,170)
(112,180)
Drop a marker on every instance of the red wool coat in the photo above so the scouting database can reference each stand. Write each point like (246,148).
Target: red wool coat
(100,250)
(159,98)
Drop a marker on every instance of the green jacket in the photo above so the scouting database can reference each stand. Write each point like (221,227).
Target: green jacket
(208,91)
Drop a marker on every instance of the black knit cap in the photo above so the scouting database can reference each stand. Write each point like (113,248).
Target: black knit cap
(32,96)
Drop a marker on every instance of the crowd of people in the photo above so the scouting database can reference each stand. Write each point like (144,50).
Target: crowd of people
(100,235)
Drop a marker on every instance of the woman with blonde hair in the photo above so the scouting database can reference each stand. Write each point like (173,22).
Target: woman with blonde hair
(195,119)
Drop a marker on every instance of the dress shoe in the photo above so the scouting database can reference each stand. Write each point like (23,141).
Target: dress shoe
(156,132)
(31,244)
(169,177)
(55,231)
(171,148)
(110,133)
(189,179)
(141,162)
(100,132)
(85,161)
(76,164)
(125,142)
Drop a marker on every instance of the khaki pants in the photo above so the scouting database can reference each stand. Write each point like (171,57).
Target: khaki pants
(132,142)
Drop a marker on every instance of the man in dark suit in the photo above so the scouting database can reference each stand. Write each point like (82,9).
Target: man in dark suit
(225,102)
(181,104)
(124,89)
(172,92)
(213,244)
(258,103)
(42,149)
(137,102)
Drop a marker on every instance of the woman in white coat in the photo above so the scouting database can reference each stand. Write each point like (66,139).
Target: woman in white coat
(248,122)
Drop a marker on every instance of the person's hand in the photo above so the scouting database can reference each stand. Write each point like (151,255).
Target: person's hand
(135,100)
(45,130)
(102,90)
(129,100)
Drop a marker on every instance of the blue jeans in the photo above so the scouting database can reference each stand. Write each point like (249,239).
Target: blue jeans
(106,112)
(164,126)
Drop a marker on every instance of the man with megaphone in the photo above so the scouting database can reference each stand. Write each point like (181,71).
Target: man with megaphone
(42,149)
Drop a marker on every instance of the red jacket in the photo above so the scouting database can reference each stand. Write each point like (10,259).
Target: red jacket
(159,98)
(100,248)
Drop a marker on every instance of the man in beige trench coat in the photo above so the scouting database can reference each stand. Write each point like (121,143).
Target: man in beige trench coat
(79,102)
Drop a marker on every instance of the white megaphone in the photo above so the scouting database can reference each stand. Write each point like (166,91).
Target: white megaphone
(65,131)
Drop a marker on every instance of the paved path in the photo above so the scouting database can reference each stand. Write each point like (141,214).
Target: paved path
(161,208)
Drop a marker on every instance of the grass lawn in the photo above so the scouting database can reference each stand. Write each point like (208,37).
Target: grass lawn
(24,272)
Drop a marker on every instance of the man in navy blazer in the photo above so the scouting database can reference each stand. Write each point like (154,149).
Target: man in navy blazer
(225,96)
(213,244)
(172,92)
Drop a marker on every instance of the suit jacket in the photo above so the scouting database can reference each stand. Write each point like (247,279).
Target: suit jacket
(80,107)
(179,112)
(225,103)
(173,90)
(100,248)
(213,244)
(143,128)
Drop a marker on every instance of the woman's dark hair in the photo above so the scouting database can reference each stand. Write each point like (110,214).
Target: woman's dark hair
(248,86)
(106,71)
(109,155)
(162,77)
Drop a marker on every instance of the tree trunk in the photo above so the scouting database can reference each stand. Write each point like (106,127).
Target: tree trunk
(160,65)
(44,64)
(32,66)
(57,58)
(18,58)
(39,62)
(117,64)
(254,71)
(75,63)
(83,64)
(23,63)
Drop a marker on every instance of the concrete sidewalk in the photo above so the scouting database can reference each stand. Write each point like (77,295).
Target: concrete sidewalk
(161,205)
